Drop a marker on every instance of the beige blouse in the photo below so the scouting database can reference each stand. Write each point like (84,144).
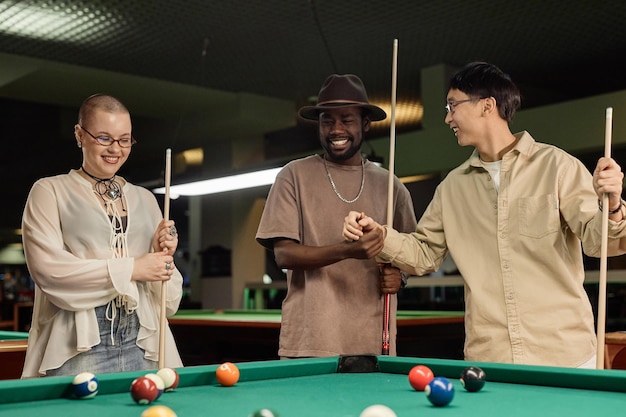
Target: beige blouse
(68,239)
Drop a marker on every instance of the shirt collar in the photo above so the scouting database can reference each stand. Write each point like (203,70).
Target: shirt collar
(524,146)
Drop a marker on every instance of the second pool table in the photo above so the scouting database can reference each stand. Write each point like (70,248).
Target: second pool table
(215,336)
(12,351)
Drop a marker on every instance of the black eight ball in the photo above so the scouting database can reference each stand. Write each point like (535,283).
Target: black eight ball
(473,378)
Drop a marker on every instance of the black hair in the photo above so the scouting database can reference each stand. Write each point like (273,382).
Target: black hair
(483,80)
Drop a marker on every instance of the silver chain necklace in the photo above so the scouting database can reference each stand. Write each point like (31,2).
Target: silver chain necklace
(332,183)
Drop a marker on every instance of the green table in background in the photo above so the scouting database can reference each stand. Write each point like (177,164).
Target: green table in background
(215,336)
(12,352)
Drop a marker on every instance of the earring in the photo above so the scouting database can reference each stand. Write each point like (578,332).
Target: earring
(79,144)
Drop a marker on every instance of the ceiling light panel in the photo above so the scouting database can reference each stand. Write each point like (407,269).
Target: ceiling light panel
(65,22)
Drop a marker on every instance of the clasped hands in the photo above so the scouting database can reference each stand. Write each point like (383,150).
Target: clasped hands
(357,226)
(367,238)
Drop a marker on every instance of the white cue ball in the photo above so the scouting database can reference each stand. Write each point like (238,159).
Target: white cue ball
(378,410)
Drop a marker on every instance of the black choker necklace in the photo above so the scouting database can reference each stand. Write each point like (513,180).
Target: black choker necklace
(106,187)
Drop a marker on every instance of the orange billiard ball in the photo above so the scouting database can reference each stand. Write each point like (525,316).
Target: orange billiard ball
(227,374)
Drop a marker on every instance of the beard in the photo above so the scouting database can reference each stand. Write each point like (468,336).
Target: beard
(343,155)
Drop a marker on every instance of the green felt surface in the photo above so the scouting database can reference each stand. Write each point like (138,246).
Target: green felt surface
(311,387)
(275,315)
(8,335)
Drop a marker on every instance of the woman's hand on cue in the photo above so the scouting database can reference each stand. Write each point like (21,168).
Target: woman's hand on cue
(165,237)
(157,266)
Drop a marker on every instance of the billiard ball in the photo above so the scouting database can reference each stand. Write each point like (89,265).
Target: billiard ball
(144,390)
(420,376)
(85,385)
(158,411)
(158,381)
(170,378)
(378,410)
(473,378)
(227,374)
(439,391)
(264,412)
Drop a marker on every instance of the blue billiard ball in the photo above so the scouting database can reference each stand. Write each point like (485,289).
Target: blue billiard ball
(440,391)
(85,385)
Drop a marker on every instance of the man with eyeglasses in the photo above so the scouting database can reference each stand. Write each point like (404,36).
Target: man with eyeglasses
(513,217)
(98,250)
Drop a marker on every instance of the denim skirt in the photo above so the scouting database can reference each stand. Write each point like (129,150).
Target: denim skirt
(117,351)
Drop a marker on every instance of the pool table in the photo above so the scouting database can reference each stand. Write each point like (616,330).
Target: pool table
(316,387)
(215,336)
(12,351)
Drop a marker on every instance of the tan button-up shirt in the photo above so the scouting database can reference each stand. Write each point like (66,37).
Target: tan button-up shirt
(519,252)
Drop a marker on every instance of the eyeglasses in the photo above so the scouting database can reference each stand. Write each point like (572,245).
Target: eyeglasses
(452,104)
(108,141)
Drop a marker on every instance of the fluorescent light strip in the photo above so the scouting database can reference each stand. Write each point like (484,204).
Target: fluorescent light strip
(224,184)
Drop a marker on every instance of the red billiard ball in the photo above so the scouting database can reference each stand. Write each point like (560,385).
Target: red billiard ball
(227,374)
(439,391)
(160,384)
(473,378)
(420,376)
(170,378)
(144,390)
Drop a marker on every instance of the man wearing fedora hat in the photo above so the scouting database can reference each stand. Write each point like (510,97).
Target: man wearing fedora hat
(334,303)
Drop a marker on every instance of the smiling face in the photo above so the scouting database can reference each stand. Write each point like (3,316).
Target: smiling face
(341,134)
(104,161)
(464,117)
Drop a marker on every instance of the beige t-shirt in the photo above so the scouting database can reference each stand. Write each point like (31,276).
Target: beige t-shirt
(336,309)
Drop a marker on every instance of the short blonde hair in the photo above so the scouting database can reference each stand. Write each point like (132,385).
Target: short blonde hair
(103,102)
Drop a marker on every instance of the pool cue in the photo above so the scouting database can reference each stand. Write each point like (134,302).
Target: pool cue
(166,216)
(392,157)
(603,250)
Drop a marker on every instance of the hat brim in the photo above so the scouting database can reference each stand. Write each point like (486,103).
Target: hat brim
(312,112)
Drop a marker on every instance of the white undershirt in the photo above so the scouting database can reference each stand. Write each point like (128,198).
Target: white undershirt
(494,170)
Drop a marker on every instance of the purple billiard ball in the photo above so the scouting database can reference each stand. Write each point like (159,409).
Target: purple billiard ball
(439,391)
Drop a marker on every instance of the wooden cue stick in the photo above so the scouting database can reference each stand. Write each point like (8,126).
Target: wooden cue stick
(603,250)
(166,216)
(392,158)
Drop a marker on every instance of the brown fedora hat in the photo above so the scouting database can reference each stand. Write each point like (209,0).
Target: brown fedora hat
(342,91)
